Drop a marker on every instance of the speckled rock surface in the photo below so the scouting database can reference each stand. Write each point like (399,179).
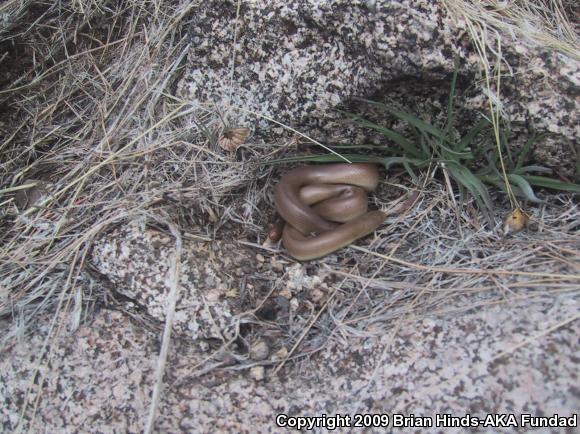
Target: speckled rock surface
(99,379)
(96,380)
(221,286)
(137,261)
(298,61)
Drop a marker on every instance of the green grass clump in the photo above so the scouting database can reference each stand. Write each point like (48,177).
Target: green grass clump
(474,161)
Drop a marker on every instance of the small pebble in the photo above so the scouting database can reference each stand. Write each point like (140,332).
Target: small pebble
(257,373)
(294,304)
(276,265)
(259,350)
(281,354)
(317,295)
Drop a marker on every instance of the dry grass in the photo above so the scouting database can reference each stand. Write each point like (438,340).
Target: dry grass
(93,116)
(551,24)
(101,129)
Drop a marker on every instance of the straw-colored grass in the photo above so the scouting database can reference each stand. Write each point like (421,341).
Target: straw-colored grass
(93,116)
(551,24)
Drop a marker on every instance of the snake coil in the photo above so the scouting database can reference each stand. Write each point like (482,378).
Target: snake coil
(325,207)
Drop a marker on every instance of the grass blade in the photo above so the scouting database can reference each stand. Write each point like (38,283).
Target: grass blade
(465,177)
(391,161)
(471,135)
(542,181)
(396,137)
(410,119)
(532,168)
(523,154)
(504,141)
(328,158)
(450,113)
(465,155)
(525,188)
(370,147)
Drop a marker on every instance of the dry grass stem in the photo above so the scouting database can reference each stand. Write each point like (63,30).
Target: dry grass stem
(94,117)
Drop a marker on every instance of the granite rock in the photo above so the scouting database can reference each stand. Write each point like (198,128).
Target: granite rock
(513,358)
(298,61)
(136,260)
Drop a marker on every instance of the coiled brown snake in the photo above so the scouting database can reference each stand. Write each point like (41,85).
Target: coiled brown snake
(325,207)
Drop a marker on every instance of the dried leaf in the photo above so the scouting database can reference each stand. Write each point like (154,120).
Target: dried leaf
(515,222)
(233,138)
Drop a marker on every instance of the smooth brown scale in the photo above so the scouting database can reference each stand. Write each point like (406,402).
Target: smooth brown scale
(313,199)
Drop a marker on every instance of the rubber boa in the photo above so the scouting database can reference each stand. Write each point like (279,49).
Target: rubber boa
(325,207)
